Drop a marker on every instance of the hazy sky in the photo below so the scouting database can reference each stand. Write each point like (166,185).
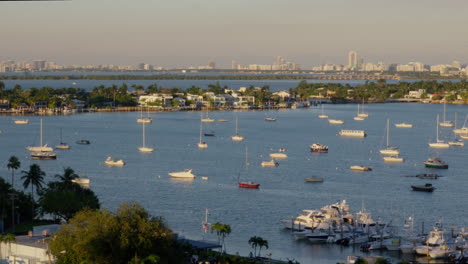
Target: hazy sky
(192,32)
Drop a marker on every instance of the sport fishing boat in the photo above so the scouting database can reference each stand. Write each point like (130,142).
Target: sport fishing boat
(435,163)
(318,148)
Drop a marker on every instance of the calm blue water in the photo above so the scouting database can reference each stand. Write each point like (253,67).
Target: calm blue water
(283,192)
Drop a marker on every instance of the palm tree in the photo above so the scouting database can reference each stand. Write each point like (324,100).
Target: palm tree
(253,242)
(262,243)
(222,231)
(34,177)
(7,239)
(68,175)
(13,164)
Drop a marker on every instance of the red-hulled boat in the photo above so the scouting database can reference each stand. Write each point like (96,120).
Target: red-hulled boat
(248,185)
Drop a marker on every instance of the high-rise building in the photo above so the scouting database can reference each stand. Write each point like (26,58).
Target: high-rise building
(234,65)
(211,65)
(353,60)
(39,65)
(280,60)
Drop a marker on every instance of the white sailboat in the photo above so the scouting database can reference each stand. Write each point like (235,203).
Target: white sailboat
(237,137)
(201,144)
(463,129)
(144,148)
(142,119)
(62,145)
(389,150)
(359,118)
(456,141)
(41,147)
(323,115)
(363,114)
(207,119)
(438,143)
(446,123)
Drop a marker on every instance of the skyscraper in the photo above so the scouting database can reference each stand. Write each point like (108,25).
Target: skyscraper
(233,65)
(352,60)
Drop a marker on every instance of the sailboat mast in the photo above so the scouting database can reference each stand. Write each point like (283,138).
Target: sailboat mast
(200,131)
(437,129)
(41,134)
(246,160)
(237,119)
(445,106)
(388,130)
(144,135)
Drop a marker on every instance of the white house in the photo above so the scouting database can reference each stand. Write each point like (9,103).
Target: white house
(165,99)
(282,94)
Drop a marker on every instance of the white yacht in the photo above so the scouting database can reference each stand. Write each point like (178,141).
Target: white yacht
(389,150)
(302,221)
(335,122)
(110,162)
(187,174)
(271,163)
(41,147)
(360,168)
(435,239)
(439,143)
(353,133)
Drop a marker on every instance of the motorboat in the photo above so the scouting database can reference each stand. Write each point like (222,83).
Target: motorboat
(313,179)
(389,150)
(404,125)
(439,143)
(83,182)
(270,119)
(320,233)
(302,221)
(187,173)
(21,121)
(394,159)
(431,176)
(44,155)
(42,147)
(360,168)
(209,134)
(318,148)
(222,120)
(271,163)
(435,163)
(464,136)
(83,142)
(456,143)
(110,162)
(352,133)
(278,155)
(335,122)
(435,239)
(248,185)
(423,188)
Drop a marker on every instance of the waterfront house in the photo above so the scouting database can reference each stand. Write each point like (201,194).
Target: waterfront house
(162,99)
(282,94)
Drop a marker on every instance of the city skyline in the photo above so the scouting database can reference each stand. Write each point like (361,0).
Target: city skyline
(180,33)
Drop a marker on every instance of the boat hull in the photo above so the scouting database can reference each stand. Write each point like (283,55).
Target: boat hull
(435,166)
(44,155)
(248,185)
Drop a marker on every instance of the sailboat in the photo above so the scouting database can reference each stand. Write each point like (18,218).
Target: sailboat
(201,144)
(323,115)
(438,143)
(62,145)
(247,184)
(41,147)
(363,114)
(389,150)
(207,119)
(237,137)
(446,123)
(456,142)
(144,119)
(463,129)
(144,148)
(359,118)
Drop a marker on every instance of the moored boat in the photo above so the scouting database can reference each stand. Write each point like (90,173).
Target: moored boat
(352,133)
(21,121)
(335,122)
(423,188)
(404,125)
(110,162)
(313,179)
(435,163)
(83,142)
(271,163)
(278,155)
(393,159)
(248,185)
(457,143)
(318,148)
(360,168)
(270,119)
(44,155)
(187,174)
